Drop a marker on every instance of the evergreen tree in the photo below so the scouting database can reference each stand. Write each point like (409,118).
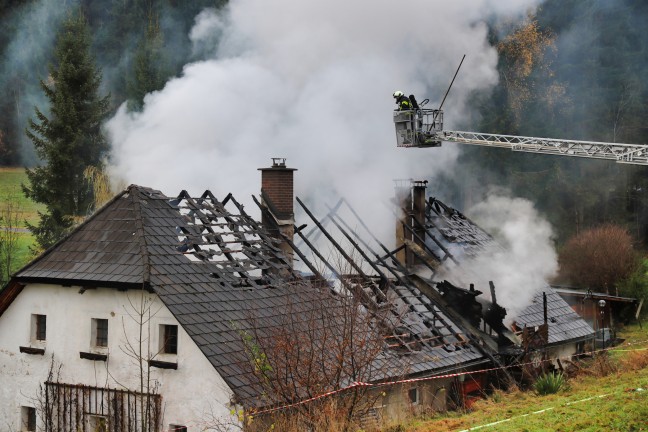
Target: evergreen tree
(70,139)
(149,72)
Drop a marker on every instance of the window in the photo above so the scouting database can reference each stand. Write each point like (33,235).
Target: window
(39,327)
(100,332)
(413,395)
(169,339)
(28,418)
(97,423)
(177,428)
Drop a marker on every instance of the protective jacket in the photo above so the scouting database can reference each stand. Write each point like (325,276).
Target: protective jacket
(403,103)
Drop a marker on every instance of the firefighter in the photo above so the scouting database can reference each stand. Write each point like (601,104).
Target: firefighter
(402,101)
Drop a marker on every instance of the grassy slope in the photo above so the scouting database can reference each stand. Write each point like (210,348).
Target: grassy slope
(11,192)
(616,402)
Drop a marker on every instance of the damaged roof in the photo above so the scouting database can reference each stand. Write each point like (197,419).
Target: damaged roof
(465,239)
(450,235)
(220,273)
(565,325)
(454,232)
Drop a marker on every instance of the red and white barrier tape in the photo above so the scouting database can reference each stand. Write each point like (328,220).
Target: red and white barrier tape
(435,377)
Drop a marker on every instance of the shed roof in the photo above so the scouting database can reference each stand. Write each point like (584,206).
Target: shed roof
(565,325)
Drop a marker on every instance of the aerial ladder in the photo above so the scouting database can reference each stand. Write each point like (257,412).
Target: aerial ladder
(423,127)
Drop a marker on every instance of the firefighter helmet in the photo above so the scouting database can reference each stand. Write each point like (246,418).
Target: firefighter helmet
(398,94)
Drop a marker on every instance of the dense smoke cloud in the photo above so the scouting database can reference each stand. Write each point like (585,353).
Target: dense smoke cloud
(527,260)
(312,82)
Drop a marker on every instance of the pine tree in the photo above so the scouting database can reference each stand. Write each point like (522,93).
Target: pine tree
(70,139)
(149,70)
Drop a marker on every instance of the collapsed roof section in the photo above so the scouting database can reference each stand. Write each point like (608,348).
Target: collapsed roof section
(430,235)
(231,241)
(415,324)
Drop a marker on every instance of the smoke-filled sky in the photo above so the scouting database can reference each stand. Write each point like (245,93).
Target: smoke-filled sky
(312,82)
(528,259)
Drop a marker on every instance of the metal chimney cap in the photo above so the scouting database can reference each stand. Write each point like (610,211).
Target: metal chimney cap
(279,162)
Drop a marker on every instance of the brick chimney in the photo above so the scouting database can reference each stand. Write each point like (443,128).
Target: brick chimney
(418,211)
(278,197)
(410,197)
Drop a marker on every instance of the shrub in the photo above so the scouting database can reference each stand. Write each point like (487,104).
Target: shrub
(550,383)
(635,361)
(598,258)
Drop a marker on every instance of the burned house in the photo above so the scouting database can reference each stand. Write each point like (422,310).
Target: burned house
(168,312)
(434,233)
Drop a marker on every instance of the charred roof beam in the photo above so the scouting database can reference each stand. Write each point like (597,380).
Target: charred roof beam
(342,252)
(323,221)
(434,239)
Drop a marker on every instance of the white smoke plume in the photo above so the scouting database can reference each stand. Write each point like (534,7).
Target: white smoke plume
(312,82)
(528,259)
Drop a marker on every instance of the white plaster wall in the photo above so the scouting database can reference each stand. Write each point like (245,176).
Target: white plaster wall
(193,395)
(562,352)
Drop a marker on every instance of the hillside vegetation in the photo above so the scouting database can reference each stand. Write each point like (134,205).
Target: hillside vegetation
(608,393)
(15,209)
(11,193)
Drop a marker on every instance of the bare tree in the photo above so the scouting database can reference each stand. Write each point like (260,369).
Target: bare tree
(319,346)
(598,258)
(10,216)
(140,311)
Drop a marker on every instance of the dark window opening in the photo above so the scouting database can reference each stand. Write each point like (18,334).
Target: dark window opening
(41,327)
(413,395)
(101,339)
(28,418)
(169,340)
(177,428)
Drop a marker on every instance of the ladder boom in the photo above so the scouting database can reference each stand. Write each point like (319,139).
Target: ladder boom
(636,154)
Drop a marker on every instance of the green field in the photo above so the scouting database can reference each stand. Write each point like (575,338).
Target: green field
(23,209)
(11,192)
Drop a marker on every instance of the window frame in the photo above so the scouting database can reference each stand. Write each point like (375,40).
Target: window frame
(92,422)
(38,328)
(100,334)
(28,419)
(168,344)
(414,395)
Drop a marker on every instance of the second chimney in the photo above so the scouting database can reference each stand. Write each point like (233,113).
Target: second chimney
(278,197)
